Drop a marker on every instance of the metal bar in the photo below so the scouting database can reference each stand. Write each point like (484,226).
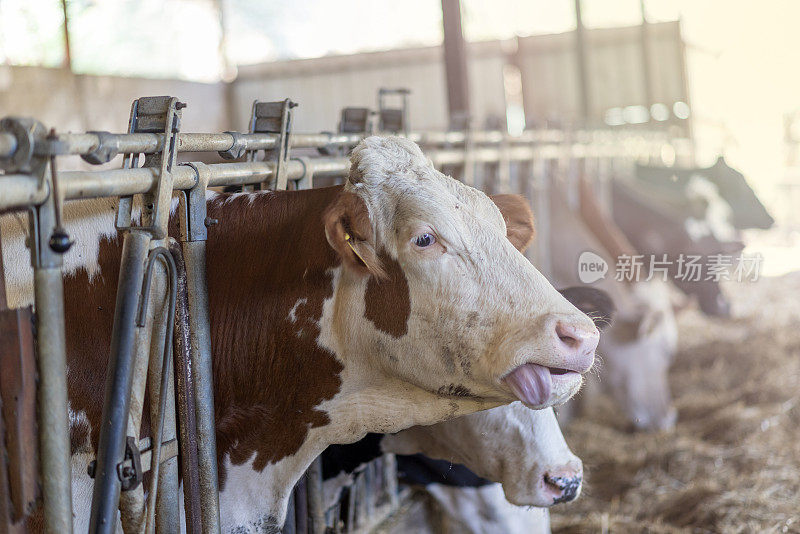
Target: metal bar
(119,377)
(150,143)
(194,256)
(67,48)
(187,416)
(193,223)
(54,434)
(645,46)
(584,86)
(54,446)
(316,506)
(22,190)
(8,144)
(301,506)
(455,64)
(540,196)
(131,502)
(162,505)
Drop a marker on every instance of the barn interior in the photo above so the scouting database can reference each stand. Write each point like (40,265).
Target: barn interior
(657,143)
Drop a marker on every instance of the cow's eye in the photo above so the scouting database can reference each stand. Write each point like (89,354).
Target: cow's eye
(424,240)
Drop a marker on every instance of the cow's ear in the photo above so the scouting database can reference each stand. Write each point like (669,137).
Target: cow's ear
(595,303)
(349,231)
(519,219)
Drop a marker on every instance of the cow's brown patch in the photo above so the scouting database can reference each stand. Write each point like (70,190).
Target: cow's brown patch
(89,318)
(266,254)
(387,303)
(267,257)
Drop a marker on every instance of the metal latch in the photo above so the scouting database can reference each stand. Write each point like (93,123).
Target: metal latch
(276,118)
(129,470)
(393,119)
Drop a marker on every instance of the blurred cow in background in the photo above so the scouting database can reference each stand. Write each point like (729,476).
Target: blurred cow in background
(640,344)
(747,210)
(657,227)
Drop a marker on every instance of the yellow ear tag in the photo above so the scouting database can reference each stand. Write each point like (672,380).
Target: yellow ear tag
(350,244)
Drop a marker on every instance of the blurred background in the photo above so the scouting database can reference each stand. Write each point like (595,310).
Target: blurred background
(733,65)
(715,78)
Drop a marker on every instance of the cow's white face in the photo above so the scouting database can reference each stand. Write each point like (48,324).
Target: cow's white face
(637,352)
(522,449)
(449,303)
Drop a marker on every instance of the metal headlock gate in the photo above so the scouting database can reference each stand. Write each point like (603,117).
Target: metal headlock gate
(162,287)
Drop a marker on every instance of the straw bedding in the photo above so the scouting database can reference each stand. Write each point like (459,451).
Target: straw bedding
(733,462)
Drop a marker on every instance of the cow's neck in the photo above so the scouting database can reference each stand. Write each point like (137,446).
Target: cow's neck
(270,271)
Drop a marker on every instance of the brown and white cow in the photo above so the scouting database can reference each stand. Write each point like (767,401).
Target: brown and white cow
(398,299)
(638,348)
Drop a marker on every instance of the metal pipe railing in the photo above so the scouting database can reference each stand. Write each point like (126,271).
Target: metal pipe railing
(150,143)
(20,191)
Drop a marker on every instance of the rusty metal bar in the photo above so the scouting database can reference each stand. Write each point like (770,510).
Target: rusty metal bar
(193,230)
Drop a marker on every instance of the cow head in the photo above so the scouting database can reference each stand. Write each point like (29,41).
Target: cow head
(438,292)
(637,352)
(520,448)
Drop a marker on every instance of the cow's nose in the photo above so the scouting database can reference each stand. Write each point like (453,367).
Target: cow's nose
(577,343)
(563,486)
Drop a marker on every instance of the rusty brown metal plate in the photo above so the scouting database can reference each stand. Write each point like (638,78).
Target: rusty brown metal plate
(18,394)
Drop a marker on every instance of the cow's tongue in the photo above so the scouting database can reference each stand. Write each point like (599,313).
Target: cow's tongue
(531,383)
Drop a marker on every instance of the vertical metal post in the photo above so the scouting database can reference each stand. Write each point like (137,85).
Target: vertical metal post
(455,65)
(119,378)
(158,115)
(167,514)
(52,359)
(131,503)
(584,86)
(647,78)
(541,205)
(67,46)
(194,223)
(316,507)
(53,418)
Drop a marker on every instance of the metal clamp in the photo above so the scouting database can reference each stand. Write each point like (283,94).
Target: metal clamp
(27,132)
(393,119)
(275,117)
(153,114)
(237,148)
(107,148)
(306,181)
(355,120)
(129,471)
(193,220)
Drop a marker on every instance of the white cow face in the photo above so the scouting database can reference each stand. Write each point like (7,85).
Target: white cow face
(449,302)
(522,449)
(638,351)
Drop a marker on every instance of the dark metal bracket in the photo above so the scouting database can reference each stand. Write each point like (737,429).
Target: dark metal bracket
(107,148)
(393,119)
(192,205)
(275,118)
(153,114)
